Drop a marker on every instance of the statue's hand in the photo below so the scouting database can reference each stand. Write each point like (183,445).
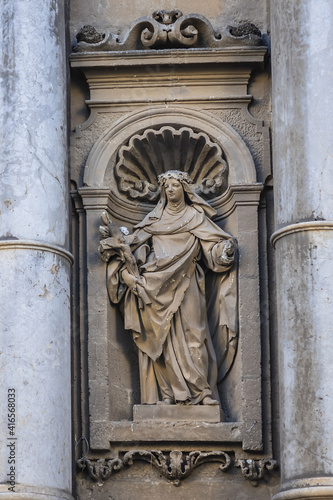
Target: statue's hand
(130,280)
(228,252)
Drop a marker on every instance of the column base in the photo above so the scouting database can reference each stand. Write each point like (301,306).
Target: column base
(28,492)
(305,489)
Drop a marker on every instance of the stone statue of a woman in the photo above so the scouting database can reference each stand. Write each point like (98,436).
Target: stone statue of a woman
(163,294)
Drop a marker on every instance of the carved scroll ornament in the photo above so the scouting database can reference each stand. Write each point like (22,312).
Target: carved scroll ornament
(254,470)
(168,29)
(176,465)
(154,152)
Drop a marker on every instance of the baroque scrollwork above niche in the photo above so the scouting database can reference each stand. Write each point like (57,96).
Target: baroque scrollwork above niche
(165,30)
(154,152)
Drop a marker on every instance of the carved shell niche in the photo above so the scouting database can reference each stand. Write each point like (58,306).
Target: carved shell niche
(148,155)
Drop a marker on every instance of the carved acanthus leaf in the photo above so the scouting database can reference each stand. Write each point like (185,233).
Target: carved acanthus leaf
(89,34)
(102,469)
(154,152)
(168,29)
(176,465)
(254,470)
(246,29)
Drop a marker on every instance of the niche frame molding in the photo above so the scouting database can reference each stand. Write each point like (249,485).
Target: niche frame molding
(156,88)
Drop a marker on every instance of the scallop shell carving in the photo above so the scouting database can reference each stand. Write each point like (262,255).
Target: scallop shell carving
(154,152)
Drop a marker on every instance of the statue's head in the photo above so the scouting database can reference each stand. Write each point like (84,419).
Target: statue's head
(189,193)
(174,186)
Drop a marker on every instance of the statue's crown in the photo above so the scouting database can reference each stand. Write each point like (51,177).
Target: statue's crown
(174,174)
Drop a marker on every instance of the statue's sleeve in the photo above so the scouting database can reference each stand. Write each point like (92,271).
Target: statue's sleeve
(222,314)
(225,282)
(213,240)
(222,293)
(116,287)
(141,254)
(213,256)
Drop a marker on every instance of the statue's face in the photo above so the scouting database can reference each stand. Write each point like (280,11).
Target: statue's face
(174,190)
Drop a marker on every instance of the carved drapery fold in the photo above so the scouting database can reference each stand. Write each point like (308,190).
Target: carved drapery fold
(165,30)
(150,154)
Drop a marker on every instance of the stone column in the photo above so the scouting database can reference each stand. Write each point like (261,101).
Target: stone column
(35,421)
(302,61)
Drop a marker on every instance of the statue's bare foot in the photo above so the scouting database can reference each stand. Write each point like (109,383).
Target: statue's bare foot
(209,401)
(166,401)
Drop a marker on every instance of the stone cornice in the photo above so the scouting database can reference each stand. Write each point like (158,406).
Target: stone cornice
(172,57)
(301,227)
(41,246)
(143,76)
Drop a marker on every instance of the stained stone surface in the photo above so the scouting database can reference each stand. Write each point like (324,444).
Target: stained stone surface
(35,362)
(303,140)
(302,105)
(34,142)
(34,269)
(206,482)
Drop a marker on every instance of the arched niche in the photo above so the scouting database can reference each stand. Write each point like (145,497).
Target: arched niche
(239,159)
(111,364)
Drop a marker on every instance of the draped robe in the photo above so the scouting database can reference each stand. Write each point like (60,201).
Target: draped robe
(168,315)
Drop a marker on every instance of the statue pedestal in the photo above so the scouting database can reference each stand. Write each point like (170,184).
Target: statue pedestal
(178,413)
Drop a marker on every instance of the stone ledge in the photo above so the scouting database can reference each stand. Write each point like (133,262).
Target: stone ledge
(248,434)
(316,225)
(36,245)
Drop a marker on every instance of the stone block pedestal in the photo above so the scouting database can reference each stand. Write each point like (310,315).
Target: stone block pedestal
(178,413)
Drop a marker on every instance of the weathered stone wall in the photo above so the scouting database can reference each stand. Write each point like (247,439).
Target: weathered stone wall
(117,16)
